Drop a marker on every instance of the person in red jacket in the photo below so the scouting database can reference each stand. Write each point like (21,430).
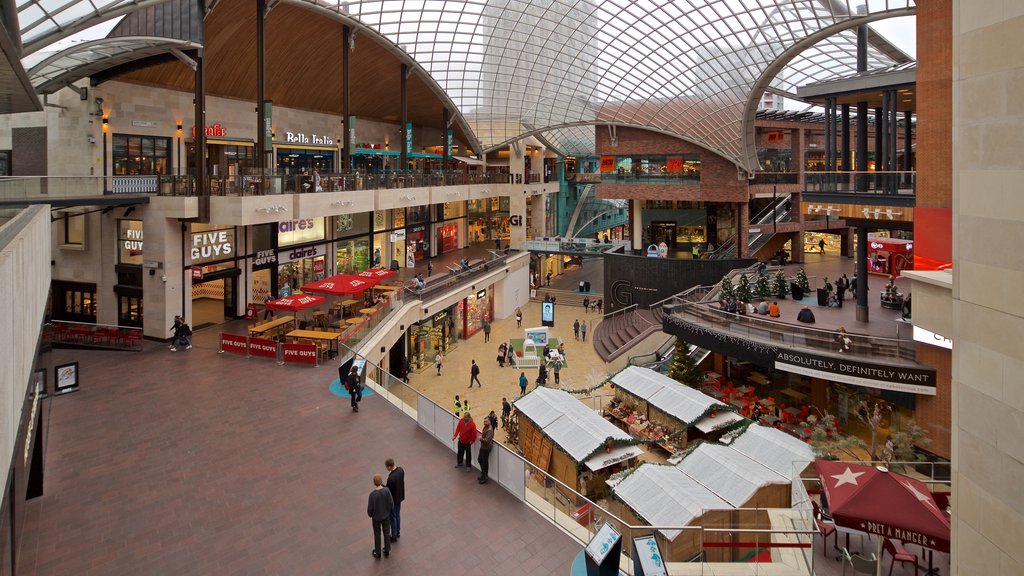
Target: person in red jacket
(467,433)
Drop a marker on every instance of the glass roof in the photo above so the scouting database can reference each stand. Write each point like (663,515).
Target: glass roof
(552,68)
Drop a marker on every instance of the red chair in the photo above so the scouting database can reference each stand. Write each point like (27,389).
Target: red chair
(899,554)
(825,529)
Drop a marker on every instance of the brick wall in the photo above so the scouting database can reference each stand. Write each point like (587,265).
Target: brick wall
(935,104)
(934,413)
(28,151)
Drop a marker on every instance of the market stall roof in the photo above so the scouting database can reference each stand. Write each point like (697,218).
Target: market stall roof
(666,496)
(677,400)
(719,420)
(775,449)
(296,302)
(572,426)
(731,475)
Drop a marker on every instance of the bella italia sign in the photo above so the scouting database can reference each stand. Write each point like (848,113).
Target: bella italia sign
(300,138)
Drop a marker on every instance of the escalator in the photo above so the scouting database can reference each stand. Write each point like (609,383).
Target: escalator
(661,359)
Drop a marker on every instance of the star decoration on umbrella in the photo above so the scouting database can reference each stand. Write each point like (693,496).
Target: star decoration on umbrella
(848,477)
(919,495)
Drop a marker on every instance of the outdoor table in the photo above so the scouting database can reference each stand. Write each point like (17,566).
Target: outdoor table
(744,389)
(793,394)
(354,321)
(331,338)
(792,411)
(261,329)
(712,377)
(758,378)
(367,311)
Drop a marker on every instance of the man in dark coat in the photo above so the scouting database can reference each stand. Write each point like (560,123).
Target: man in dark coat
(378,508)
(396,485)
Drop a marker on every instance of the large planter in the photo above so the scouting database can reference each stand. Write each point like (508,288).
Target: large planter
(822,297)
(796,291)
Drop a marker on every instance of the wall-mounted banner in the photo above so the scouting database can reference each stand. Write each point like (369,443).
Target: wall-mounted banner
(408,138)
(883,375)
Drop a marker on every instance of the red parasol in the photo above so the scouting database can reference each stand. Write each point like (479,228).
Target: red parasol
(295,303)
(341,284)
(377,273)
(880,502)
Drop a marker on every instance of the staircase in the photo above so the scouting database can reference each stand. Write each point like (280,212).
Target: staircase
(622,330)
(774,212)
(566,297)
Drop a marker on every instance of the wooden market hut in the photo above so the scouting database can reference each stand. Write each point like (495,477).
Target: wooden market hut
(670,406)
(775,449)
(560,435)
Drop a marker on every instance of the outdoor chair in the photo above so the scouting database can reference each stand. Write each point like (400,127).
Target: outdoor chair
(859,564)
(898,554)
(825,529)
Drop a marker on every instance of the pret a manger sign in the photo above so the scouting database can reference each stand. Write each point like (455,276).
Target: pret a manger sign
(213,245)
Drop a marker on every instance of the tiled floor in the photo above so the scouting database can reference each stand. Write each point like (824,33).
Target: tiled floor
(199,463)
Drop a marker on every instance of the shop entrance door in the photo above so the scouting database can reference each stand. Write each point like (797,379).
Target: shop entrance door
(664,232)
(219,285)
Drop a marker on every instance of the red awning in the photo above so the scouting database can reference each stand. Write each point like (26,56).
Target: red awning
(341,284)
(880,502)
(296,303)
(377,273)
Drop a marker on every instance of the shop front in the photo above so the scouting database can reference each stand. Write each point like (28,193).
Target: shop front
(129,273)
(475,309)
(228,159)
(889,256)
(300,152)
(487,219)
(302,254)
(352,247)
(449,220)
(417,247)
(214,274)
(438,333)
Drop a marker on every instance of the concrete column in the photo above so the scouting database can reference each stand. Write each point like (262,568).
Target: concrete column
(636,224)
(538,216)
(862,274)
(846,243)
(163,299)
(797,254)
(517,220)
(516,162)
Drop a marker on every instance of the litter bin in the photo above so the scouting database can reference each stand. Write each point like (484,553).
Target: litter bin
(586,286)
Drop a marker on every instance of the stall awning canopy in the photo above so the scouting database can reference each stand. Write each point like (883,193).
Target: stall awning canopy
(572,426)
(731,475)
(719,420)
(341,284)
(677,400)
(775,449)
(665,496)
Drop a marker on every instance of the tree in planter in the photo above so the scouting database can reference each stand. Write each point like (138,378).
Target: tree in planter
(683,369)
(801,281)
(762,287)
(781,286)
(905,441)
(827,442)
(743,292)
(871,416)
(727,290)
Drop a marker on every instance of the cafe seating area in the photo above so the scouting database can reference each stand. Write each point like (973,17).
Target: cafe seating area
(756,396)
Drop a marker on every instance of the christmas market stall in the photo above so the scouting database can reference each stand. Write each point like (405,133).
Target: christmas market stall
(775,449)
(746,487)
(561,436)
(653,407)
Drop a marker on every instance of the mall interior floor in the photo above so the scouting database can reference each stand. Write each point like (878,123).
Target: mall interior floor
(171,463)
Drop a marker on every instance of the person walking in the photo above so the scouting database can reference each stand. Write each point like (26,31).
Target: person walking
(467,433)
(523,381)
(438,361)
(396,485)
(510,354)
(493,419)
(378,508)
(430,268)
(267,312)
(600,304)
(556,368)
(542,375)
(474,375)
(175,333)
(576,329)
(186,335)
(519,318)
(506,411)
(354,387)
(586,303)
(487,331)
(583,330)
(502,354)
(483,457)
(821,245)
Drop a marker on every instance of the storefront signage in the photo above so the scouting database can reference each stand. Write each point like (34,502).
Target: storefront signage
(481,295)
(131,241)
(448,144)
(607,163)
(439,317)
(871,375)
(515,220)
(318,266)
(197,273)
(213,245)
(144,123)
(263,347)
(302,138)
(234,344)
(300,231)
(408,137)
(213,131)
(858,211)
(65,378)
(264,259)
(929,337)
(300,353)
(268,126)
(300,253)
(398,235)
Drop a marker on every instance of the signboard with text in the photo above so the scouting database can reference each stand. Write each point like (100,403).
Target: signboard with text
(234,344)
(300,353)
(263,348)
(858,211)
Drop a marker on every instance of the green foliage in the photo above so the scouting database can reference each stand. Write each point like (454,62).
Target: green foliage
(828,442)
(762,287)
(802,282)
(728,292)
(781,286)
(743,291)
(683,369)
(906,440)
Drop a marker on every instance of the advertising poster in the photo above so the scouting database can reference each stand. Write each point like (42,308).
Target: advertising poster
(263,348)
(65,378)
(547,314)
(300,353)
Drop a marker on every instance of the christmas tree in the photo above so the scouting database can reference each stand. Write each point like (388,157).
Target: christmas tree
(801,281)
(743,291)
(781,287)
(683,369)
(727,291)
(761,287)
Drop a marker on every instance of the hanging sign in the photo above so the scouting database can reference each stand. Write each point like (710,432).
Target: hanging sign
(408,137)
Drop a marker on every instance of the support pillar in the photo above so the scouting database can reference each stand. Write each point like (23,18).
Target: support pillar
(202,188)
(742,229)
(517,219)
(845,161)
(349,133)
(262,152)
(636,225)
(862,274)
(406,133)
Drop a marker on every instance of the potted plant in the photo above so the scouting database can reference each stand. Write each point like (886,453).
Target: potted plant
(762,287)
(781,287)
(801,287)
(824,293)
(727,292)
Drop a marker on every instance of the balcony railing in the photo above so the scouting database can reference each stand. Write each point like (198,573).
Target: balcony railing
(438,283)
(655,179)
(777,178)
(901,183)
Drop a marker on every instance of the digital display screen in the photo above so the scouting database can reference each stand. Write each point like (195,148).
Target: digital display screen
(547,312)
